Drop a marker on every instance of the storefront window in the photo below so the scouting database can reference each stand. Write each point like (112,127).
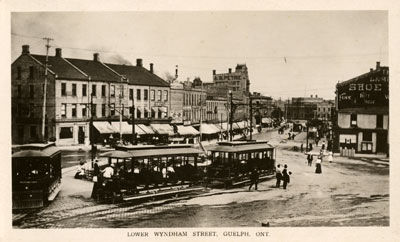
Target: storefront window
(66,133)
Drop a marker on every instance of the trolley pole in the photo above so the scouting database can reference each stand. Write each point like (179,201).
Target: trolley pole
(231,116)
(45,88)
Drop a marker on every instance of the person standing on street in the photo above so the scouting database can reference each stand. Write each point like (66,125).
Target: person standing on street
(318,168)
(330,157)
(96,178)
(285,176)
(278,175)
(309,159)
(254,178)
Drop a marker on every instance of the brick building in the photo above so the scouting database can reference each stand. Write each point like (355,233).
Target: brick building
(76,90)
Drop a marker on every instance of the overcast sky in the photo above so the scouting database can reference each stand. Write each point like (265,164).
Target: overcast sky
(320,47)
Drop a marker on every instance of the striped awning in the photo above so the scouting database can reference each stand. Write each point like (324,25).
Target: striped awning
(187,130)
(163,129)
(146,129)
(104,127)
(126,128)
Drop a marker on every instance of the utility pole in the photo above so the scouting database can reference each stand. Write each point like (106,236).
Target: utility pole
(91,127)
(45,86)
(231,116)
(133,121)
(251,119)
(201,110)
(121,89)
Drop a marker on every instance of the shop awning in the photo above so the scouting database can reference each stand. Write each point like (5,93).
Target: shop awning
(235,126)
(146,129)
(104,127)
(266,120)
(163,129)
(126,128)
(162,109)
(208,129)
(187,130)
(242,125)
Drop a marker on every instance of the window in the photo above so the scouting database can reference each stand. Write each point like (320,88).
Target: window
(138,113)
(84,90)
(66,133)
(74,89)
(31,110)
(31,91)
(165,95)
(159,95)
(94,110)
(63,89)
(94,93)
(103,110)
(73,110)
(18,72)
(138,94)
(84,112)
(152,95)
(146,94)
(33,132)
(130,94)
(153,114)
(63,110)
(103,90)
(146,113)
(379,121)
(353,119)
(112,109)
(19,91)
(31,72)
(367,136)
(112,91)
(159,113)
(122,109)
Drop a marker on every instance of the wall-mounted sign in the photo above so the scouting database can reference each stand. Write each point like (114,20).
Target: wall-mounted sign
(366,91)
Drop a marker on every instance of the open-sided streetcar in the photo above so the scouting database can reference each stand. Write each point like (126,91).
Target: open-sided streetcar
(232,162)
(36,175)
(153,169)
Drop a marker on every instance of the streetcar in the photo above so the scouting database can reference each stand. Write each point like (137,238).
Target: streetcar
(36,175)
(232,162)
(154,170)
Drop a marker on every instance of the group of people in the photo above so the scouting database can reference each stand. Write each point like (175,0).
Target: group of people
(282,175)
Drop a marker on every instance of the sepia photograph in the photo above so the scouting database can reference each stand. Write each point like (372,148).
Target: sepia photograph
(186,125)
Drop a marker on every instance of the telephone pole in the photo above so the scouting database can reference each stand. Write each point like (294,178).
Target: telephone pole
(231,116)
(251,119)
(45,87)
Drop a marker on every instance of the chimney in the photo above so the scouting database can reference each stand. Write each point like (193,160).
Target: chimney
(139,62)
(25,49)
(96,57)
(230,70)
(311,96)
(214,72)
(378,65)
(371,69)
(58,52)
(176,72)
(151,67)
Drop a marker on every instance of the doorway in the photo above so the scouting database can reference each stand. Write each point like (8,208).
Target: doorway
(81,135)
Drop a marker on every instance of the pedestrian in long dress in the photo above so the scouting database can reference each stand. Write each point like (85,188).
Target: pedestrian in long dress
(330,157)
(285,175)
(318,168)
(309,159)
(254,179)
(278,175)
(96,178)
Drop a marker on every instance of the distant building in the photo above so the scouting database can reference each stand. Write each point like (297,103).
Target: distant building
(362,105)
(262,107)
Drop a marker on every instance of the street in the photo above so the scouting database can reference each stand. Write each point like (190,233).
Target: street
(349,192)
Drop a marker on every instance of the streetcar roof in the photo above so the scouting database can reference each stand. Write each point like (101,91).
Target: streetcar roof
(152,147)
(164,152)
(35,150)
(240,146)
